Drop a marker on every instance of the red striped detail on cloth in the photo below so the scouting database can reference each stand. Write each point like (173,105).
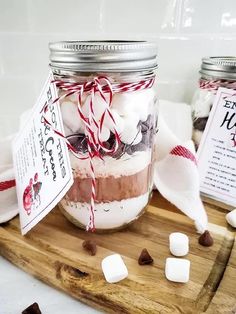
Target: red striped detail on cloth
(5,185)
(183,152)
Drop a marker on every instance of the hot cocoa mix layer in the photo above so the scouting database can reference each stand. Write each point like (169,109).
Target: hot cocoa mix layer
(110,189)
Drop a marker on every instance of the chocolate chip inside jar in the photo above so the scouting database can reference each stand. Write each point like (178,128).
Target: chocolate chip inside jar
(199,126)
(144,128)
(200,123)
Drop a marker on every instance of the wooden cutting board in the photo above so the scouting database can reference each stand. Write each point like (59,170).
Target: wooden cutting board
(53,252)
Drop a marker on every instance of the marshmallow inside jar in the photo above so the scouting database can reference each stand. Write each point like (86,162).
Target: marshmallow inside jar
(111,123)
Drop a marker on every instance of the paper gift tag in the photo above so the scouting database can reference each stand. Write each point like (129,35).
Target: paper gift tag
(217,151)
(41,161)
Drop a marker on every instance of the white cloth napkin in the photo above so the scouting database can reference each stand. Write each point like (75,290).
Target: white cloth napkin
(8,199)
(175,175)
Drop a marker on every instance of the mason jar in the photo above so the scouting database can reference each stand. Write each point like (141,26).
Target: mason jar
(109,111)
(215,72)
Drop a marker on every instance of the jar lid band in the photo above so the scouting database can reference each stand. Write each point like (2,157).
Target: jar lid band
(223,67)
(103,56)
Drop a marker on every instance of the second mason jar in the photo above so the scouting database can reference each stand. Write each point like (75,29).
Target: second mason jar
(109,111)
(215,72)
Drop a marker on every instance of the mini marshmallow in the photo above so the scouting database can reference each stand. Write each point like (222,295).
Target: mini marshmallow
(231,218)
(202,102)
(177,269)
(132,118)
(129,134)
(120,103)
(105,134)
(114,268)
(119,122)
(70,116)
(130,131)
(99,106)
(141,101)
(179,244)
(74,98)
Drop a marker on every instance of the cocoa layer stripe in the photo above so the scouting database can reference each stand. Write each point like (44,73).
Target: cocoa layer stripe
(110,189)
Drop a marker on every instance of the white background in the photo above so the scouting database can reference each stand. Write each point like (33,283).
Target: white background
(186,30)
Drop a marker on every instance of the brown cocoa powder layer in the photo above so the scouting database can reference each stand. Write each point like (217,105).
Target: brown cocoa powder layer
(110,189)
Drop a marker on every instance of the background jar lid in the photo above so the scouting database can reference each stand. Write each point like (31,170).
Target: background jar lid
(103,56)
(222,67)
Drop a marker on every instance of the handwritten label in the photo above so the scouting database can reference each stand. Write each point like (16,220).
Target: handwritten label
(41,161)
(217,150)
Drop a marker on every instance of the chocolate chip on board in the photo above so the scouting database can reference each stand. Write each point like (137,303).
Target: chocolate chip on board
(206,239)
(145,258)
(90,246)
(32,309)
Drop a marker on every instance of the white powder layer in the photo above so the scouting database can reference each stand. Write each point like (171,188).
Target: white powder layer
(107,215)
(127,165)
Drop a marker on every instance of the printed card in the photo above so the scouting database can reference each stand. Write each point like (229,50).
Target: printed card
(217,150)
(41,161)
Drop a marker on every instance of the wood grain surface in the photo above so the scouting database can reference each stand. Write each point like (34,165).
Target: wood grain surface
(53,252)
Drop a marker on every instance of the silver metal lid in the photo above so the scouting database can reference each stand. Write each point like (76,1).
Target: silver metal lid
(103,56)
(219,67)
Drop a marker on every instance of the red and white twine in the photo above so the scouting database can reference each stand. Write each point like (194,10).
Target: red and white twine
(93,127)
(5,185)
(213,85)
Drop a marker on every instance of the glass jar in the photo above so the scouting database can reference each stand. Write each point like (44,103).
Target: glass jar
(215,72)
(113,174)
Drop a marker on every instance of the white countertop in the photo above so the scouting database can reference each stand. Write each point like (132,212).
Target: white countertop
(18,290)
